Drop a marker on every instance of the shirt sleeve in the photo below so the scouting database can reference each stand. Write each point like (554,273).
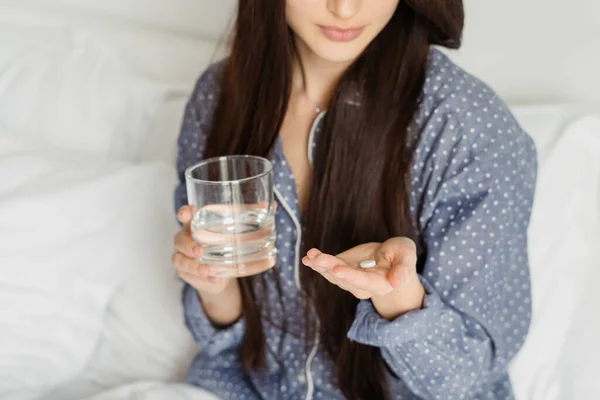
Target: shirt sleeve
(211,339)
(476,203)
(196,124)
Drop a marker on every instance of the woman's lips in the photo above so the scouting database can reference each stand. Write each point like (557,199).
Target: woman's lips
(341,35)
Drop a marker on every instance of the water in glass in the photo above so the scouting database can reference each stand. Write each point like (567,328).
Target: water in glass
(235,216)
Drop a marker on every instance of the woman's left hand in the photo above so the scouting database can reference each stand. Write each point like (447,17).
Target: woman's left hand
(393,281)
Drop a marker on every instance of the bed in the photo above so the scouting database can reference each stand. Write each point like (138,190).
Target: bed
(91,97)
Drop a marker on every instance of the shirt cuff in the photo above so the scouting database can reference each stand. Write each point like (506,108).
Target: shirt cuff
(211,339)
(371,329)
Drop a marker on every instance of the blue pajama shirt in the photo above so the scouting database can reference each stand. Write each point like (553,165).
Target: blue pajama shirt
(473,182)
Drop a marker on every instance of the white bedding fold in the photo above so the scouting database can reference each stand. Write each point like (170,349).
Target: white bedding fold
(73,228)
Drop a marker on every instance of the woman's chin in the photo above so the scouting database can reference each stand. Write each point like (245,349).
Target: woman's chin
(338,53)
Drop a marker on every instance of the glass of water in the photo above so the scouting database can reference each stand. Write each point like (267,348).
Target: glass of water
(234,216)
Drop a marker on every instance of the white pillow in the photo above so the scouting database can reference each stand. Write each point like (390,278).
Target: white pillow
(563,239)
(580,358)
(161,143)
(144,336)
(72,229)
(68,90)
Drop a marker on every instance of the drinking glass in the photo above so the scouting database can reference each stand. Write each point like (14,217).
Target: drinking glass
(234,214)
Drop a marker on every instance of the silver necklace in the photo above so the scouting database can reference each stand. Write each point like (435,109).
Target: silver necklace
(317,108)
(315,105)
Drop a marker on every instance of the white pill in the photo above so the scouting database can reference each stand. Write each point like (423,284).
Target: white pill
(368,264)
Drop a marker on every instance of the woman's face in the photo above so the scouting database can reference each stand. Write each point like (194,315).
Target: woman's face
(338,30)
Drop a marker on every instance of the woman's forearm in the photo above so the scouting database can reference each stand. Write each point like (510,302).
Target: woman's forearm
(225,308)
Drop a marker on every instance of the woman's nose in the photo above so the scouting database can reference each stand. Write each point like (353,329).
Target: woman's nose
(344,9)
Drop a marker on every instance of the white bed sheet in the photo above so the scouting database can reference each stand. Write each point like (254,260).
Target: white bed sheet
(73,230)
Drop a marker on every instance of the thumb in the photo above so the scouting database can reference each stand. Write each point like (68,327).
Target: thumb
(185,214)
(401,274)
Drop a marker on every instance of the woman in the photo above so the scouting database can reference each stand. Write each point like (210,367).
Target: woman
(415,164)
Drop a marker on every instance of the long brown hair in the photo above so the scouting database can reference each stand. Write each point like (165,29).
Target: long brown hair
(365,146)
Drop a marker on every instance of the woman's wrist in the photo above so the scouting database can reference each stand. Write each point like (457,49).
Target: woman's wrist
(223,308)
(398,302)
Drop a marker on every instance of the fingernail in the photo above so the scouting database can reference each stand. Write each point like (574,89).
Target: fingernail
(198,250)
(339,274)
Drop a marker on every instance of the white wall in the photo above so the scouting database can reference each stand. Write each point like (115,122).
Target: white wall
(169,40)
(200,18)
(535,49)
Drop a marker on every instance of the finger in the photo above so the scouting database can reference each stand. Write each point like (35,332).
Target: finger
(399,250)
(185,244)
(363,252)
(193,279)
(309,263)
(369,281)
(244,269)
(306,260)
(185,214)
(401,275)
(345,285)
(324,261)
(401,254)
(189,265)
(202,270)
(323,272)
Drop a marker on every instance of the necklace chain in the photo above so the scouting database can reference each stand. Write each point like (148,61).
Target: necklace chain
(318,109)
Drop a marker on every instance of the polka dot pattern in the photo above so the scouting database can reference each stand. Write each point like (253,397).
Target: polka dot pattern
(473,181)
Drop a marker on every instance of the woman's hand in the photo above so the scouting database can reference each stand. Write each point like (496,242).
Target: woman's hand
(392,285)
(221,298)
(184,259)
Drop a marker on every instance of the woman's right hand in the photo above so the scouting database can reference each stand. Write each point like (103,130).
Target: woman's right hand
(221,298)
(184,260)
